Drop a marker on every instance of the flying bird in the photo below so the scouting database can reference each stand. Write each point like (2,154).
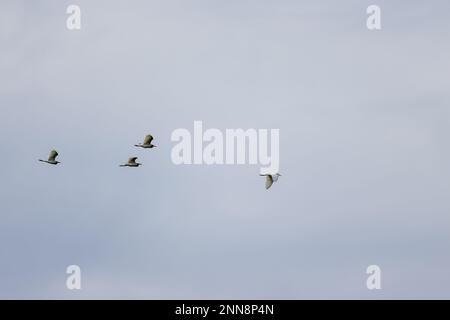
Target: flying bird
(270,179)
(131,163)
(147,142)
(51,158)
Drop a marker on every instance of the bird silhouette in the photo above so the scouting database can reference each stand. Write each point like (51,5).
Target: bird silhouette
(147,142)
(270,179)
(131,163)
(51,158)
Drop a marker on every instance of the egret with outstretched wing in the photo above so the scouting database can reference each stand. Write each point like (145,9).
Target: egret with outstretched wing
(147,142)
(131,163)
(51,158)
(270,179)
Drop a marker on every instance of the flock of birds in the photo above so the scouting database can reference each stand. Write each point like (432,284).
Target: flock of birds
(147,144)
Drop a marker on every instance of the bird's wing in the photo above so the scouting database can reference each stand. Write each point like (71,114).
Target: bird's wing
(148,139)
(53,155)
(132,160)
(269,181)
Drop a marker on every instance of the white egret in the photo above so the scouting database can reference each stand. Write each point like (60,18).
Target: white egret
(51,158)
(147,142)
(270,179)
(131,163)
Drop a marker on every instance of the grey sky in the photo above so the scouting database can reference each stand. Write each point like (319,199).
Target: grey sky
(364,123)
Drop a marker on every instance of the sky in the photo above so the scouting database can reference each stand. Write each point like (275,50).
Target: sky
(364,121)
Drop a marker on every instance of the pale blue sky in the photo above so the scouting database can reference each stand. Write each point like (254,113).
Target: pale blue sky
(364,123)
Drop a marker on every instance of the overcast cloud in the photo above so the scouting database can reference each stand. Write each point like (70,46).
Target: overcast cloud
(364,123)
